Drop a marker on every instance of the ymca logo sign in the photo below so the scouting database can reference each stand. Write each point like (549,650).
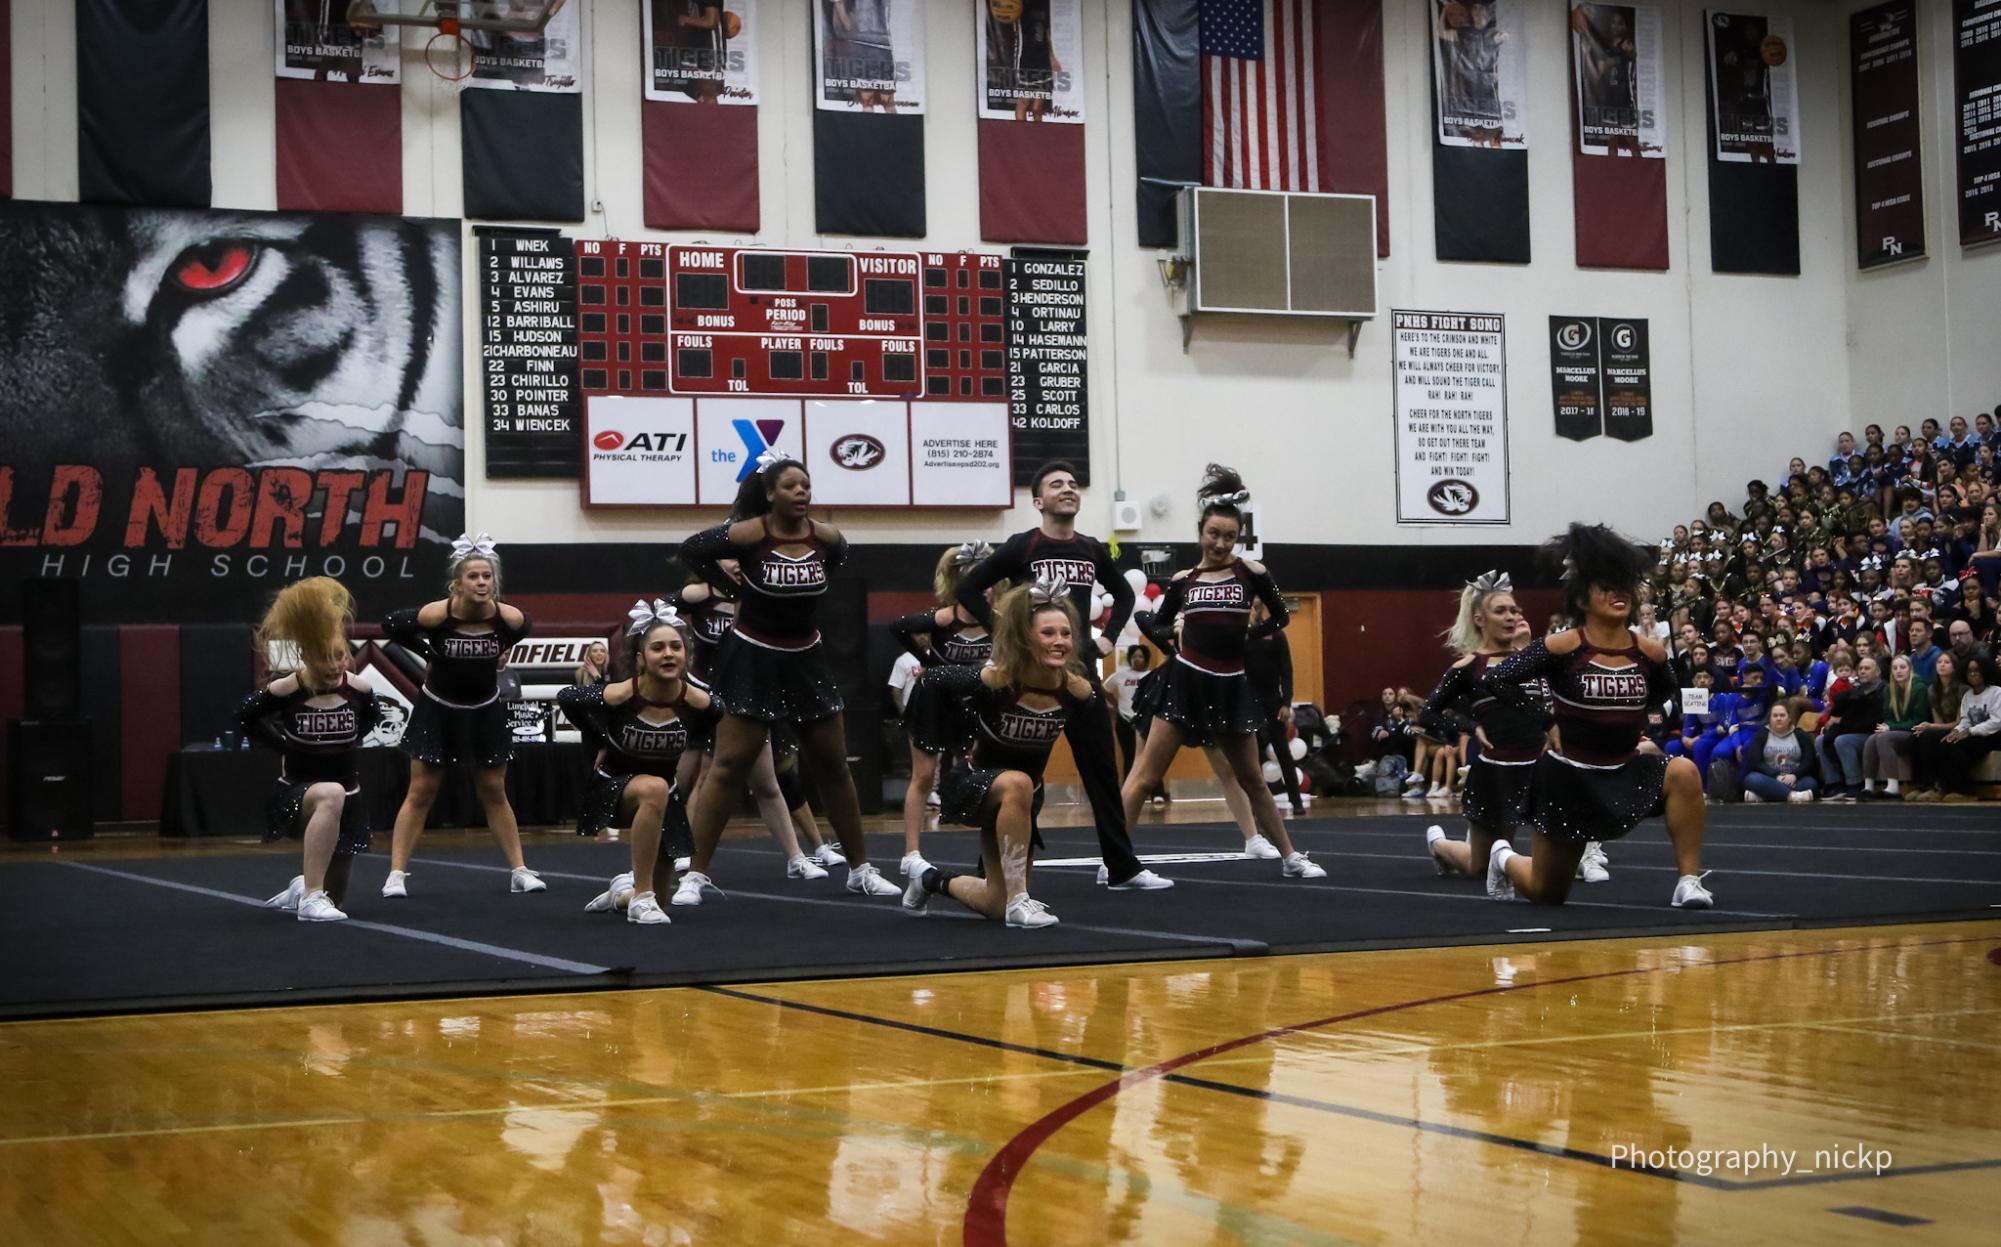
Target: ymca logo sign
(758,436)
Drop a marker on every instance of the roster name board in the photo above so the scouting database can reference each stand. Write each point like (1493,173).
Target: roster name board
(1047,365)
(1451,417)
(528,353)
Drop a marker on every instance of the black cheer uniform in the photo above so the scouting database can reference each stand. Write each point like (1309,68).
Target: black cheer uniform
(1203,689)
(317,745)
(1079,563)
(932,726)
(1007,736)
(1500,779)
(769,666)
(1598,784)
(460,720)
(626,743)
(708,623)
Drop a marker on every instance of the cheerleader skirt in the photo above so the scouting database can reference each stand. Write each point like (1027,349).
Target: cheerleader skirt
(451,736)
(1207,708)
(962,799)
(1499,794)
(1576,803)
(601,802)
(934,722)
(285,818)
(753,681)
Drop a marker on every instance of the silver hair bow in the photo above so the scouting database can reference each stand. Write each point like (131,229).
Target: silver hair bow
(468,545)
(1236,499)
(644,616)
(1056,590)
(1492,582)
(769,456)
(972,552)
(1569,567)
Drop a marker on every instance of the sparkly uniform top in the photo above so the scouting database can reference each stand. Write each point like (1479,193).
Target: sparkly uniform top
(464,665)
(317,743)
(1600,709)
(778,601)
(949,645)
(1008,735)
(637,736)
(708,622)
(1460,704)
(1216,615)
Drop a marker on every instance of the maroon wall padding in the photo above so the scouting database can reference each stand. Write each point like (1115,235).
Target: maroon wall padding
(150,719)
(340,147)
(699,166)
(1354,149)
(11,703)
(6,101)
(1372,638)
(1032,182)
(1620,206)
(884,607)
(575,614)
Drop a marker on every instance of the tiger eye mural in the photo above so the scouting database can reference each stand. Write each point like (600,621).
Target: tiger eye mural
(196,407)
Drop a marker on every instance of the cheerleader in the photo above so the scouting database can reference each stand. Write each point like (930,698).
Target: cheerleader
(1202,696)
(1597,778)
(1489,627)
(946,636)
(1016,707)
(769,669)
(460,720)
(774,784)
(640,729)
(316,717)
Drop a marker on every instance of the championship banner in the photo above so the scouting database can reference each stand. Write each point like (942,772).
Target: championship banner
(316,44)
(1628,372)
(868,117)
(339,141)
(1619,166)
(1031,111)
(1754,100)
(1752,150)
(1451,373)
(1479,157)
(1889,182)
(1976,78)
(1577,377)
(212,404)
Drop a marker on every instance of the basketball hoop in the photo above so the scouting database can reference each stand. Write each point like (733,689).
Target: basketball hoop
(454,63)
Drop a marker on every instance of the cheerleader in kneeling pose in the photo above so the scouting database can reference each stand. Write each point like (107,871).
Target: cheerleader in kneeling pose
(769,668)
(1017,706)
(1490,626)
(316,718)
(1599,777)
(945,636)
(1201,696)
(460,720)
(640,728)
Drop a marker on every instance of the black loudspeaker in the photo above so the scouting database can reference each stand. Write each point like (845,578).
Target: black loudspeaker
(844,645)
(51,649)
(49,779)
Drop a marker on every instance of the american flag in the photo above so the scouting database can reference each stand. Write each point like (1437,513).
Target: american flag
(1260,117)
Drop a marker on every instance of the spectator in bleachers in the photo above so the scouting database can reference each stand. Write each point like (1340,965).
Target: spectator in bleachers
(1778,762)
(1886,755)
(1954,755)
(1853,712)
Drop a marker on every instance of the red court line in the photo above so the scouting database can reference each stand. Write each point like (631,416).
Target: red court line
(986,1207)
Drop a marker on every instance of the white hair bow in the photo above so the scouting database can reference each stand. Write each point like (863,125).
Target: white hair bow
(769,456)
(1048,590)
(644,616)
(1493,582)
(1235,499)
(972,552)
(467,545)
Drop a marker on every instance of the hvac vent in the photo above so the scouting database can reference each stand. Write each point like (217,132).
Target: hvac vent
(1272,253)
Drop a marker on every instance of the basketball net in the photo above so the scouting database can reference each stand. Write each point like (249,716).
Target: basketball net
(451,58)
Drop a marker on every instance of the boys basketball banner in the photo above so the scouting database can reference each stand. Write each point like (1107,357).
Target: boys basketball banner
(1618,60)
(1889,182)
(550,59)
(201,406)
(1480,72)
(869,55)
(316,43)
(1754,99)
(701,53)
(1031,60)
(1451,371)
(1976,79)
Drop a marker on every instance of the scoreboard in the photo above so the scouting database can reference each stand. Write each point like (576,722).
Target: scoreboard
(658,318)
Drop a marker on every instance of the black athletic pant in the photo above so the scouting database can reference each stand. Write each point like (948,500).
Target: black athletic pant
(1128,745)
(1272,736)
(1090,737)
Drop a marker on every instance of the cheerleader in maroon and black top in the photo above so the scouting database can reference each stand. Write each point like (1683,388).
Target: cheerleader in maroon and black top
(1499,781)
(460,719)
(1600,776)
(316,718)
(945,636)
(639,729)
(1201,695)
(770,668)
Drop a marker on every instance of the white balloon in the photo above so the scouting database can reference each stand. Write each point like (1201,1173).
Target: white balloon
(1137,579)
(1298,748)
(1270,772)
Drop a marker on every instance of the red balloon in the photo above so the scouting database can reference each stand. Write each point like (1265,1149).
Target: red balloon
(1152,592)
(1305,782)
